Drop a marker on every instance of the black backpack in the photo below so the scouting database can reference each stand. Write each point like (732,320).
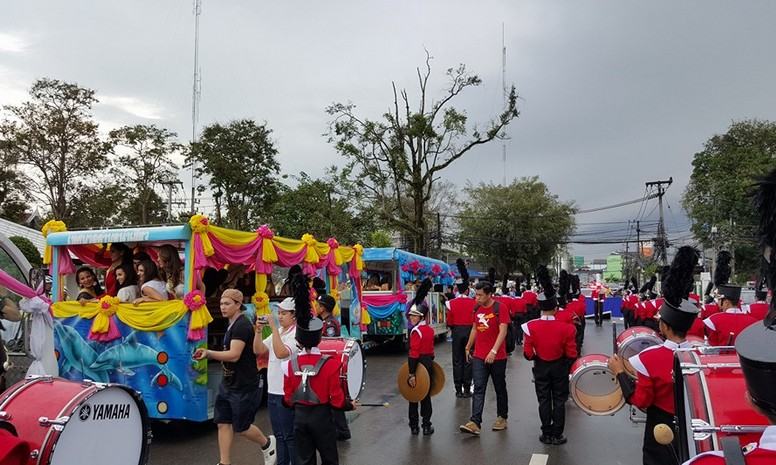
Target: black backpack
(510,338)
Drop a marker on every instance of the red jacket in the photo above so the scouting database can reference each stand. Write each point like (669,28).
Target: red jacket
(531,297)
(326,385)
(764,453)
(758,310)
(697,329)
(723,328)
(519,307)
(460,311)
(655,382)
(549,339)
(421,340)
(709,309)
(566,315)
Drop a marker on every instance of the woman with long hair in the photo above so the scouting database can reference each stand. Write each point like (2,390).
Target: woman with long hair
(152,288)
(126,280)
(89,285)
(171,270)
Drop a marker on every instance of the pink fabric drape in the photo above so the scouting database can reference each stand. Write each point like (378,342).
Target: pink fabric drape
(15,286)
(380,300)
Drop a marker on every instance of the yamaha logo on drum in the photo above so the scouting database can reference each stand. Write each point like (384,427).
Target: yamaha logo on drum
(105,412)
(84,412)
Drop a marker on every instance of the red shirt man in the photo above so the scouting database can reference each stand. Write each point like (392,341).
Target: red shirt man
(459,311)
(760,308)
(548,339)
(486,324)
(724,327)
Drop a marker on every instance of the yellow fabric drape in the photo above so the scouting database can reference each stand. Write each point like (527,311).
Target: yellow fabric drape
(260,298)
(268,252)
(288,245)
(107,307)
(334,292)
(311,255)
(51,227)
(148,316)
(359,252)
(231,237)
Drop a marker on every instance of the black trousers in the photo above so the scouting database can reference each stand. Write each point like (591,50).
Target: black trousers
(517,325)
(599,313)
(627,318)
(551,380)
(579,337)
(462,370)
(653,452)
(314,431)
(341,424)
(425,404)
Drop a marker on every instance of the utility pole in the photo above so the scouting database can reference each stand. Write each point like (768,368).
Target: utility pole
(439,234)
(662,241)
(196,92)
(627,255)
(171,186)
(506,97)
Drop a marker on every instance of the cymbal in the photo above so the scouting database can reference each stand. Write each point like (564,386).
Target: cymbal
(438,379)
(422,383)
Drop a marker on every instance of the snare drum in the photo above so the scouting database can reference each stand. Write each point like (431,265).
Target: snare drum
(352,362)
(635,339)
(593,386)
(78,422)
(711,394)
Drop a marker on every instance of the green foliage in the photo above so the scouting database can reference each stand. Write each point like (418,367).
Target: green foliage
(515,227)
(28,249)
(395,162)
(378,238)
(97,205)
(722,176)
(144,165)
(317,207)
(239,161)
(54,135)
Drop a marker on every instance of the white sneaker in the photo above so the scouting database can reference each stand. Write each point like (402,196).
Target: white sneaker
(270,453)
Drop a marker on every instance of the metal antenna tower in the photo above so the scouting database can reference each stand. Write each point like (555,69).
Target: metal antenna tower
(506,98)
(195,95)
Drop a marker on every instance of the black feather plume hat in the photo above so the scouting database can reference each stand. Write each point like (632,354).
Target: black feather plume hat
(308,328)
(676,311)
(548,299)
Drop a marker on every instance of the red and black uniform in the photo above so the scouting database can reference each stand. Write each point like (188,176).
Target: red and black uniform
(628,307)
(647,312)
(459,319)
(531,304)
(599,297)
(709,309)
(332,328)
(551,344)
(518,313)
(760,453)
(723,328)
(421,352)
(758,310)
(698,329)
(313,403)
(653,392)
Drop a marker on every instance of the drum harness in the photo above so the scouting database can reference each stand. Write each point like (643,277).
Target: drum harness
(302,394)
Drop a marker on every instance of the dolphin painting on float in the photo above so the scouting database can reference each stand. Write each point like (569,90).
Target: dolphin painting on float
(131,354)
(77,354)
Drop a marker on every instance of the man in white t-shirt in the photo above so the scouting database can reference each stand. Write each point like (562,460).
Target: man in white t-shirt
(281,345)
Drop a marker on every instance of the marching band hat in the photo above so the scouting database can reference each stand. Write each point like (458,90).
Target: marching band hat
(327,301)
(287,305)
(308,329)
(760,295)
(730,292)
(679,317)
(417,310)
(758,362)
(677,311)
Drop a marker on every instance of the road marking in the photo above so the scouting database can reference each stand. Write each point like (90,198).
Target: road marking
(539,459)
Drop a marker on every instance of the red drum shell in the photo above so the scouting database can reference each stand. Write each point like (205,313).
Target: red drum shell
(78,401)
(635,339)
(716,397)
(352,363)
(593,387)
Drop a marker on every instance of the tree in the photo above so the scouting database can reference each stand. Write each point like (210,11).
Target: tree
(717,196)
(13,189)
(54,134)
(98,204)
(239,160)
(378,238)
(27,249)
(396,161)
(516,227)
(144,163)
(317,207)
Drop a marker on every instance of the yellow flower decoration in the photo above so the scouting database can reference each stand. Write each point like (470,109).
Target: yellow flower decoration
(311,256)
(359,253)
(261,301)
(199,225)
(52,226)
(108,306)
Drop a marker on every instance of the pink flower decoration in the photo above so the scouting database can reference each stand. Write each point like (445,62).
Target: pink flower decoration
(194,300)
(436,269)
(415,266)
(204,221)
(265,232)
(405,267)
(333,244)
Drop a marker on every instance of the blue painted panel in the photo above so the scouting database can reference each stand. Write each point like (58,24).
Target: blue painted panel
(102,236)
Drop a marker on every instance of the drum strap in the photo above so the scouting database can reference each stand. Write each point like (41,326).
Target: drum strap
(732,449)
(303,393)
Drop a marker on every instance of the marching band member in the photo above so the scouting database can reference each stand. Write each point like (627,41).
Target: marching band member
(459,319)
(759,308)
(654,388)
(551,344)
(421,352)
(312,386)
(578,306)
(332,328)
(755,347)
(722,273)
(722,328)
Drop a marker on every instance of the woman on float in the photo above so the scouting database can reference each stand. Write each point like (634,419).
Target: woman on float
(89,285)
(152,288)
(126,283)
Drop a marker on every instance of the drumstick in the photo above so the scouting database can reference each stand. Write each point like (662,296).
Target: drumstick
(614,337)
(373,404)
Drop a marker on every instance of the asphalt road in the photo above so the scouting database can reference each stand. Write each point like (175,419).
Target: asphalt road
(381,435)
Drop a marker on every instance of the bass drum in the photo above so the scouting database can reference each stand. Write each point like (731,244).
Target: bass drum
(711,391)
(352,363)
(635,339)
(85,423)
(594,387)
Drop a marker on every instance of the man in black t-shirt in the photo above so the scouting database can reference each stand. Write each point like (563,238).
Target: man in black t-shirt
(238,395)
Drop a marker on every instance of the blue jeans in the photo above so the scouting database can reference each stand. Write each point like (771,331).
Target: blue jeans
(282,420)
(497,371)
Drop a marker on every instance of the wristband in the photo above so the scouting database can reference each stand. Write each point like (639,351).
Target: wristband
(207,354)
(493,351)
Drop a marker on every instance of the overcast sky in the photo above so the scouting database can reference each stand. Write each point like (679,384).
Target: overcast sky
(613,93)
